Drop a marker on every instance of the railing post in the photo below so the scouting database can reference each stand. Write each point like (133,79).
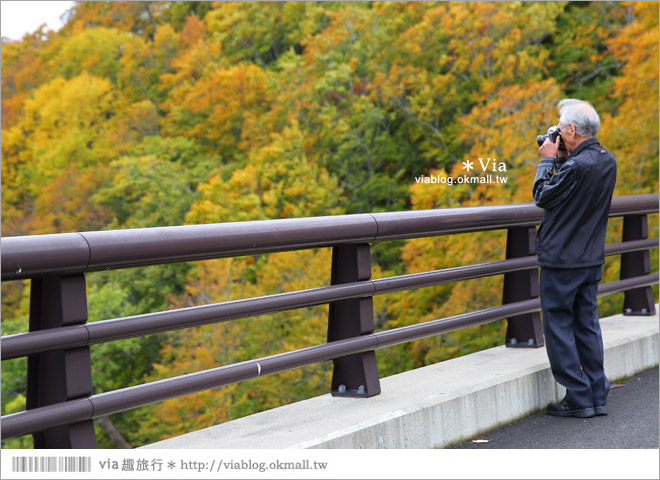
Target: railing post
(58,376)
(353,375)
(526,330)
(634,264)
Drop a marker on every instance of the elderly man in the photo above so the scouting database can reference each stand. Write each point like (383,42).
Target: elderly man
(574,186)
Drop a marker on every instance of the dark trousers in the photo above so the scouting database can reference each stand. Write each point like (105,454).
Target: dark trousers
(572,333)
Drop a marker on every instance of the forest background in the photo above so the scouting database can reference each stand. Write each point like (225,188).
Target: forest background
(145,114)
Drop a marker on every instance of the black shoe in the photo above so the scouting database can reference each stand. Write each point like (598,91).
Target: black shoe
(563,409)
(601,410)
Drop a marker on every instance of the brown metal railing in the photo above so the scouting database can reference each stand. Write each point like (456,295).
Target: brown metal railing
(60,404)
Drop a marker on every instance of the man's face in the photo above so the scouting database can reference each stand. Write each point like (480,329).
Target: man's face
(568,135)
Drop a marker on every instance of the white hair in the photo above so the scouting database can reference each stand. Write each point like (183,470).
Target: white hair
(581,114)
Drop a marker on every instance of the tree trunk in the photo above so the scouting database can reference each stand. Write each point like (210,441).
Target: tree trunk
(113,433)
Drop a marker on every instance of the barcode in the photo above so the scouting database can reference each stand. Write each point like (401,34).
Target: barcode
(51,464)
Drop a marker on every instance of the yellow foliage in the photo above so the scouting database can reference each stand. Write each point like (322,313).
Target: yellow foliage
(279,181)
(632,133)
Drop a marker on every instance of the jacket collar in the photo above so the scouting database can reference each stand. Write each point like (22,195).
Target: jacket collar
(585,144)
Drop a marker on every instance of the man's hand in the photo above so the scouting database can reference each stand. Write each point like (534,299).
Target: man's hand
(549,149)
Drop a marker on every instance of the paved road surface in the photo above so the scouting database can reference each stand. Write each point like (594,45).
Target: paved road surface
(632,423)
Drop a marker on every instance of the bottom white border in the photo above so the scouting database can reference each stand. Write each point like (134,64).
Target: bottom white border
(340,464)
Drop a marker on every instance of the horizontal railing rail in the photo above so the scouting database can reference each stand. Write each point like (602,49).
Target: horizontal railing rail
(99,405)
(70,253)
(58,342)
(22,344)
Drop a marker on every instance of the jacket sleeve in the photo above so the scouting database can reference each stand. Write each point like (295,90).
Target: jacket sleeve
(552,187)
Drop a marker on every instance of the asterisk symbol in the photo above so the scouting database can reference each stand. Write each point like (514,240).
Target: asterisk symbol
(467,165)
(171,465)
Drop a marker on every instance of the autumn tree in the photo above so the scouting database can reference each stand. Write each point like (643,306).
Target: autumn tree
(139,18)
(23,70)
(630,132)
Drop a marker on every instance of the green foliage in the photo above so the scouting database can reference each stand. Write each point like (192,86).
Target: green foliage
(121,363)
(154,184)
(260,32)
(150,114)
(580,59)
(97,51)
(14,378)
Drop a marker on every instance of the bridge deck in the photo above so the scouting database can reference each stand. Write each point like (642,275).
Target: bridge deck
(632,423)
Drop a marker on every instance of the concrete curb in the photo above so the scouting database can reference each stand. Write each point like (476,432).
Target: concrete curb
(432,407)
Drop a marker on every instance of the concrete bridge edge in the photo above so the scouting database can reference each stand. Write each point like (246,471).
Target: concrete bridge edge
(431,407)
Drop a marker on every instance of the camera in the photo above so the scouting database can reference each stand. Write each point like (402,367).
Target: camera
(553,133)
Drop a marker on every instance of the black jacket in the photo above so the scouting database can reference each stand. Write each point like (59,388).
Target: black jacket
(576,193)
